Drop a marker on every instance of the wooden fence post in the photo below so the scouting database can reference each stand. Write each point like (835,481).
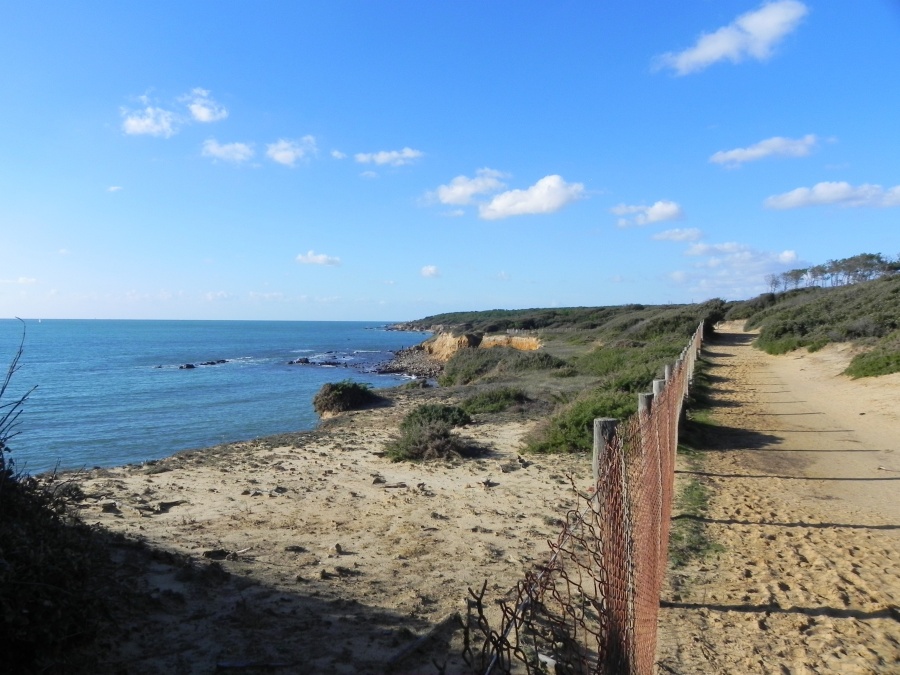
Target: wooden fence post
(645,403)
(658,386)
(604,432)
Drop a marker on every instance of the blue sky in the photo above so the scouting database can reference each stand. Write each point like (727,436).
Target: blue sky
(392,160)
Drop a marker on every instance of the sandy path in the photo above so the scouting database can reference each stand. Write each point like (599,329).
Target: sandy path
(805,477)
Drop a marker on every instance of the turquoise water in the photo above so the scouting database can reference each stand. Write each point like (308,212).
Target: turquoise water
(112,392)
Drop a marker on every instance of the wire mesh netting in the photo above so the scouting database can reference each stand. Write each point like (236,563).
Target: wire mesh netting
(593,607)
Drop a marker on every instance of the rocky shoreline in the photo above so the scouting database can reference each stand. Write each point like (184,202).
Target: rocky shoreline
(413,361)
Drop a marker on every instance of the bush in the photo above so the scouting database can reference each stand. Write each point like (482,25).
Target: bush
(572,429)
(780,337)
(872,364)
(468,365)
(52,581)
(630,366)
(432,413)
(428,440)
(471,365)
(53,571)
(336,397)
(494,400)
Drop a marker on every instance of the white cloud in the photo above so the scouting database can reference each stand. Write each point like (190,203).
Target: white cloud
(114,188)
(751,35)
(289,152)
(658,212)
(839,193)
(390,157)
(771,147)
(462,189)
(679,234)
(430,272)
(502,276)
(730,248)
(203,108)
(150,121)
(313,258)
(369,175)
(228,152)
(337,154)
(731,269)
(216,296)
(273,296)
(64,251)
(548,195)
(20,281)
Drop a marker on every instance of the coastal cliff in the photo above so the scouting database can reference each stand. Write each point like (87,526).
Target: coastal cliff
(428,358)
(445,345)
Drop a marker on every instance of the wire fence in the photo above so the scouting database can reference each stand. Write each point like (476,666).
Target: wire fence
(593,607)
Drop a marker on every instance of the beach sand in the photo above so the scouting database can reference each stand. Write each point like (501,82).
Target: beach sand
(314,553)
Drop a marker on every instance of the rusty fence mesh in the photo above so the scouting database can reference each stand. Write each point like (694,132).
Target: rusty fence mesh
(593,607)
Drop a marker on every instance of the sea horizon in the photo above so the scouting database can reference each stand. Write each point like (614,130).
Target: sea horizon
(119,391)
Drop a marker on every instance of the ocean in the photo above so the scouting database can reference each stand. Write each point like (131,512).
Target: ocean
(114,392)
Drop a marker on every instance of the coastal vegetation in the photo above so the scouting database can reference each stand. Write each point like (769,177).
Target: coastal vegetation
(426,433)
(593,363)
(345,395)
(865,312)
(50,604)
(432,413)
(494,400)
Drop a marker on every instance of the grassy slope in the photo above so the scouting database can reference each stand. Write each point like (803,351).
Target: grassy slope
(867,313)
(594,362)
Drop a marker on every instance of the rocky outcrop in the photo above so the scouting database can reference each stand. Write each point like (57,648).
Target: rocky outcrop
(428,359)
(520,342)
(413,361)
(445,345)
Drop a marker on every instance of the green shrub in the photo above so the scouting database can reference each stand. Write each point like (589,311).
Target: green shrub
(494,400)
(428,440)
(346,395)
(432,413)
(519,362)
(471,365)
(873,364)
(630,366)
(572,429)
(468,365)
(780,337)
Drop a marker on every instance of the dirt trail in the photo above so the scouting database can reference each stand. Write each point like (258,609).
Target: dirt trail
(804,474)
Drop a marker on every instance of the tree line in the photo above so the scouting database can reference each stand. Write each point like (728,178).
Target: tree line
(852,270)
